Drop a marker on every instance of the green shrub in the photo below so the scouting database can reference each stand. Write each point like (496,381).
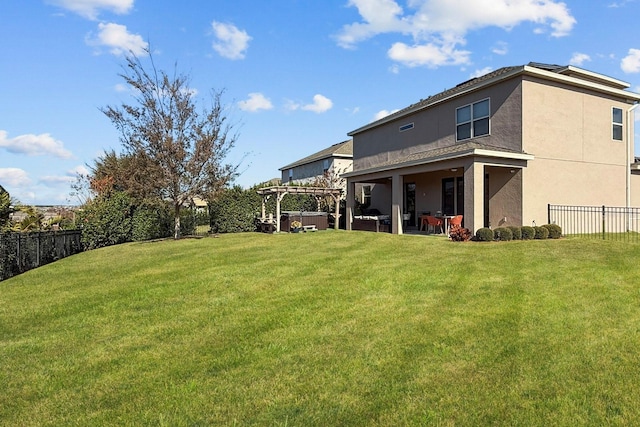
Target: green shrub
(541,233)
(502,234)
(235,210)
(555,231)
(107,221)
(151,220)
(516,232)
(484,235)
(527,232)
(187,222)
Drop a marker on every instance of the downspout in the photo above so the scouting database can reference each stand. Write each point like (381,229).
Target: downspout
(630,139)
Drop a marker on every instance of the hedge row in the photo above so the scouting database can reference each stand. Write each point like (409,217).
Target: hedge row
(503,234)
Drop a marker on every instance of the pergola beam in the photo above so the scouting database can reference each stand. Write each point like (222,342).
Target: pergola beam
(281,190)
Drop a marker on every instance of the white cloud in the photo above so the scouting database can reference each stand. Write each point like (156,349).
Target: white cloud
(383,113)
(256,102)
(90,8)
(78,170)
(320,104)
(55,180)
(437,28)
(481,72)
(500,48)
(14,177)
(430,55)
(380,16)
(34,145)
(118,39)
(631,62)
(231,42)
(579,58)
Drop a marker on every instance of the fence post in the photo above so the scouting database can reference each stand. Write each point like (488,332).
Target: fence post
(603,222)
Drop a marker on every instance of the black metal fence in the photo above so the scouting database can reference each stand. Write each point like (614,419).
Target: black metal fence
(599,222)
(20,252)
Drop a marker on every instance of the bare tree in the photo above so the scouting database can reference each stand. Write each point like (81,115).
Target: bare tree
(184,149)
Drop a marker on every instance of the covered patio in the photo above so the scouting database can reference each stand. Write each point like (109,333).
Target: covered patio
(484,184)
(280,191)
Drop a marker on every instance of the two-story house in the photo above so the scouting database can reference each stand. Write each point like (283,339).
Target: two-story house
(501,147)
(322,168)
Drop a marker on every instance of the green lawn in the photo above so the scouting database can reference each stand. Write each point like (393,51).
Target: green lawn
(325,329)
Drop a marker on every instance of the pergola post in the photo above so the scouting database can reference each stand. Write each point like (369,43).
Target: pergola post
(281,191)
(279,197)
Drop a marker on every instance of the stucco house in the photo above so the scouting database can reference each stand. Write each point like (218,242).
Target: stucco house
(501,147)
(323,167)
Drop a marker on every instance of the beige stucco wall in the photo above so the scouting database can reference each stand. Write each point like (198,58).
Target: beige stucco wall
(577,162)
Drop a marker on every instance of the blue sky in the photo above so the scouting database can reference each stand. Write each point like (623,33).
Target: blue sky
(297,75)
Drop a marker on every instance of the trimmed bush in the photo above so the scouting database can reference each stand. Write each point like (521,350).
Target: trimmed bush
(541,233)
(527,232)
(107,221)
(503,234)
(516,232)
(151,220)
(484,235)
(235,211)
(555,231)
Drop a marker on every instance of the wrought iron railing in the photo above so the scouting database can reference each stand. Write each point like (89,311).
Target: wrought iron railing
(599,222)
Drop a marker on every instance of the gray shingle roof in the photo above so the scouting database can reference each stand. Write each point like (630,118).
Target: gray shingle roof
(342,149)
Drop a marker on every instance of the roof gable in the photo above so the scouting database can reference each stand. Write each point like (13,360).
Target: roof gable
(340,150)
(567,74)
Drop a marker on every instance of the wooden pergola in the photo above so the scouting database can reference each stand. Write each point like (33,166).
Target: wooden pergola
(282,190)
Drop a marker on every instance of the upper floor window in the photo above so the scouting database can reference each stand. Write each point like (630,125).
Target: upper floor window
(290,175)
(617,123)
(472,120)
(325,165)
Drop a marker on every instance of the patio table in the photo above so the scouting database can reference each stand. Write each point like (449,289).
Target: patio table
(445,219)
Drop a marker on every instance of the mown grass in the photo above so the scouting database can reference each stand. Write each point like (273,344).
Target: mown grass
(327,328)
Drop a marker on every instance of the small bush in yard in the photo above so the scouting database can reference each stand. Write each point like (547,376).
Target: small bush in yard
(528,233)
(516,232)
(503,234)
(459,234)
(541,233)
(555,231)
(484,235)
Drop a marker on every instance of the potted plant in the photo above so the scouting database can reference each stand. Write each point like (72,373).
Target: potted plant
(296,226)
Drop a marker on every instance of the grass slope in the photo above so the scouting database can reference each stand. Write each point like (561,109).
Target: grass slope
(327,328)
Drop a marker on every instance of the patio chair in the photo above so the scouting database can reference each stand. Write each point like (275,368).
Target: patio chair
(456,220)
(433,222)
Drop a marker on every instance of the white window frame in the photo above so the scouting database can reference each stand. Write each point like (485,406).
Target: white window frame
(615,124)
(472,120)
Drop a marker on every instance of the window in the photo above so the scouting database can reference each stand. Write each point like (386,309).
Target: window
(325,165)
(366,195)
(405,127)
(290,175)
(472,120)
(453,196)
(617,123)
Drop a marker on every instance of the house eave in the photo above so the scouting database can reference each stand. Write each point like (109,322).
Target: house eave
(629,97)
(477,152)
